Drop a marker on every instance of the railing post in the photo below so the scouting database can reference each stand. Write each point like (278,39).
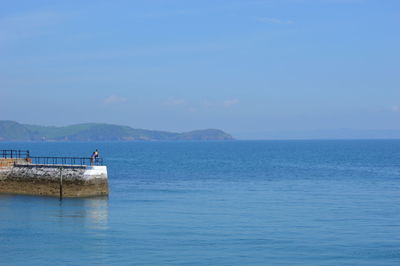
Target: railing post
(61,184)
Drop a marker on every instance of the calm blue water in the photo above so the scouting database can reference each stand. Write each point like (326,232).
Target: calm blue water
(216,203)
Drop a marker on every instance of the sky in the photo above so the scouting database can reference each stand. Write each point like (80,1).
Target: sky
(249,67)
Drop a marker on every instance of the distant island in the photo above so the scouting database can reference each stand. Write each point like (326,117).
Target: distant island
(14,131)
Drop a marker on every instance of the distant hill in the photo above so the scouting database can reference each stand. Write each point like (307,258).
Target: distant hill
(14,131)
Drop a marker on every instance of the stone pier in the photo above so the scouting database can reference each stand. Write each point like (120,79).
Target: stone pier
(20,176)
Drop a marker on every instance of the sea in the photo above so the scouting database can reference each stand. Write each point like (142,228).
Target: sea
(298,202)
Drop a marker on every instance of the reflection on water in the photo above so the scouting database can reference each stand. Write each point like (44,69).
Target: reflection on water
(89,217)
(54,225)
(97,213)
(92,212)
(89,212)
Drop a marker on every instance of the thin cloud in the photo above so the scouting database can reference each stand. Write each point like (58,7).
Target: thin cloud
(396,108)
(204,105)
(175,102)
(274,21)
(114,99)
(229,103)
(28,25)
(160,15)
(218,104)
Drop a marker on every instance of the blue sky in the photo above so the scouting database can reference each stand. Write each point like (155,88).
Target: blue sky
(247,67)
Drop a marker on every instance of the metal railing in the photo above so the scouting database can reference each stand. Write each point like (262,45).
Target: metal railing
(66,160)
(50,160)
(17,154)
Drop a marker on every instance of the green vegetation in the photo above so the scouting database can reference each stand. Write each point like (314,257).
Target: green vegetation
(13,131)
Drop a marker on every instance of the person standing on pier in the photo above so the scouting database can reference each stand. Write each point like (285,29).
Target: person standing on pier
(94,156)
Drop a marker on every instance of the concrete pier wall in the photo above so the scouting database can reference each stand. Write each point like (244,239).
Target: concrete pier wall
(22,177)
